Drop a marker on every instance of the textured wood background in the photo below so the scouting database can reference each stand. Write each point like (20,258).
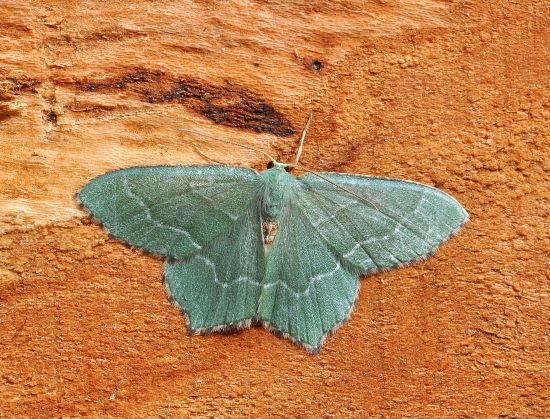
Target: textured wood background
(451,93)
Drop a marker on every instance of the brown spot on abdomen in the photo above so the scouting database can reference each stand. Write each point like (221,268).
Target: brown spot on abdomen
(270,229)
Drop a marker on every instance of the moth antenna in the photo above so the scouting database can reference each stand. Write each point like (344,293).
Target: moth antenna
(201,153)
(303,137)
(326,179)
(269,156)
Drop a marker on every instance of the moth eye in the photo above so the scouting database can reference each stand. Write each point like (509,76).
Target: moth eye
(270,165)
(289,168)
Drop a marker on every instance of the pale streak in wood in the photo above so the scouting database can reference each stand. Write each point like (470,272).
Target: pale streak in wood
(97,132)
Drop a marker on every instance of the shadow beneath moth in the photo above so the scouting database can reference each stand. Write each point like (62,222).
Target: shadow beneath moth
(243,247)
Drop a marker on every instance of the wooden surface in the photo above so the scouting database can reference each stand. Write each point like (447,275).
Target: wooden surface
(450,93)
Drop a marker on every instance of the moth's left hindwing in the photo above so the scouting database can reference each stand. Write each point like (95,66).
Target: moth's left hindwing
(172,211)
(307,291)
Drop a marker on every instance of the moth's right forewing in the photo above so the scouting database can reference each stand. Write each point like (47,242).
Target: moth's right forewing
(172,211)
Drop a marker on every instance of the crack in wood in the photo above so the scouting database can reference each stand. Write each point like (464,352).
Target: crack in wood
(9,88)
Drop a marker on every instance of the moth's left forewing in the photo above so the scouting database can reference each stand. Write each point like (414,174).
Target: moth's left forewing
(376,223)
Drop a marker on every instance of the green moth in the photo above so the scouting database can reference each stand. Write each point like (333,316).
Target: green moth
(286,251)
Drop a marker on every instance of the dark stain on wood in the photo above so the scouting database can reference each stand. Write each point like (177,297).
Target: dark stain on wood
(50,116)
(316,65)
(226,105)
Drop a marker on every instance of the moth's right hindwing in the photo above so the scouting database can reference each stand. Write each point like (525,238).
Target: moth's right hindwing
(219,287)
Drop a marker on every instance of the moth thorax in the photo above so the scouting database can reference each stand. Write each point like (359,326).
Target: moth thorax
(270,231)
(277,185)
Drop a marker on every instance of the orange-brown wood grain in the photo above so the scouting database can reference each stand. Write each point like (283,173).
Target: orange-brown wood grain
(449,93)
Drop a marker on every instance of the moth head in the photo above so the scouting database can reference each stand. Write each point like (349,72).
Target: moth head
(271,164)
(290,166)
